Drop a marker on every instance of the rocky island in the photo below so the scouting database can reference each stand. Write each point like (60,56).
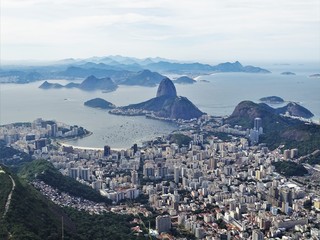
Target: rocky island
(99,103)
(91,83)
(166,105)
(47,85)
(184,80)
(288,73)
(317,75)
(272,100)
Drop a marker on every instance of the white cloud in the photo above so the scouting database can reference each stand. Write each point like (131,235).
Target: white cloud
(161,27)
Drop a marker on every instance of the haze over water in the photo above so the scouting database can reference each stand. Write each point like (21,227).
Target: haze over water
(22,103)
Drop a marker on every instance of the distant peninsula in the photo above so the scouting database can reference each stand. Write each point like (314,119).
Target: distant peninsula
(295,110)
(91,83)
(184,80)
(99,103)
(166,105)
(272,100)
(288,73)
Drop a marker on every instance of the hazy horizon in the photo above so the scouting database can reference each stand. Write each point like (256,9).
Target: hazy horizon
(205,31)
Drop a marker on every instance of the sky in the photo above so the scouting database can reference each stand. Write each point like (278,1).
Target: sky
(203,30)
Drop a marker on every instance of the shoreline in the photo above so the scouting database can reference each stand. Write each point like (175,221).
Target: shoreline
(87,148)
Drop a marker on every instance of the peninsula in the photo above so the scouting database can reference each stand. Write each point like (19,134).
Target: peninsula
(166,105)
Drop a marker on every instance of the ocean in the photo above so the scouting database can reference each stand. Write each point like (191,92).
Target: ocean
(218,96)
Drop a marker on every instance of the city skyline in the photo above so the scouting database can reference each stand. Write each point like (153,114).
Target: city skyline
(205,30)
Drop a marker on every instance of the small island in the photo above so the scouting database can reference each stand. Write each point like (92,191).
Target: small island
(47,85)
(317,75)
(204,81)
(99,103)
(288,73)
(272,100)
(184,80)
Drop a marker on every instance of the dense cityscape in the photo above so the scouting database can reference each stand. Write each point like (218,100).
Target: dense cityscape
(215,181)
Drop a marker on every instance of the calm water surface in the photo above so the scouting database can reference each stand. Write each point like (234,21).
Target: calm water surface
(20,103)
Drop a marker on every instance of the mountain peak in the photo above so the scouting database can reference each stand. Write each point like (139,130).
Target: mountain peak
(166,87)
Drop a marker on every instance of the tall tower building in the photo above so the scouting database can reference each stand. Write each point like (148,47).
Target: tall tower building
(213,163)
(107,151)
(134,177)
(257,124)
(176,174)
(54,130)
(163,223)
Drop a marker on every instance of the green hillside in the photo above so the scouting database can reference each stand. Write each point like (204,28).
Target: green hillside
(30,215)
(278,130)
(33,217)
(46,172)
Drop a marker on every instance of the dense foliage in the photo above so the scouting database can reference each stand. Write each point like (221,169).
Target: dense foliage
(313,159)
(180,139)
(107,226)
(278,130)
(289,168)
(46,172)
(31,216)
(304,137)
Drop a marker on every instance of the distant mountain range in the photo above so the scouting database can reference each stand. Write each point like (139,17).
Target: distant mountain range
(122,70)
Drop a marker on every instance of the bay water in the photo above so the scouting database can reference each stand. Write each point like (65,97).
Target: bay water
(217,96)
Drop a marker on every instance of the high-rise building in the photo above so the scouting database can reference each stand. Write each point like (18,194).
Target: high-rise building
(163,223)
(74,173)
(40,143)
(54,130)
(134,177)
(294,153)
(213,163)
(176,174)
(84,173)
(257,124)
(257,235)
(286,154)
(107,151)
(135,148)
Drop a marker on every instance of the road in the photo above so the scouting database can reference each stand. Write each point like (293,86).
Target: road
(9,197)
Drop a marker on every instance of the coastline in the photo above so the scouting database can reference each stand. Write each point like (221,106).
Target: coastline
(87,148)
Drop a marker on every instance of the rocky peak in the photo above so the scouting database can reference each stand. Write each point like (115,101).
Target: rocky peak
(166,88)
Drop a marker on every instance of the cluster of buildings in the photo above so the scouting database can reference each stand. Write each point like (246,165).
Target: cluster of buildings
(35,136)
(210,188)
